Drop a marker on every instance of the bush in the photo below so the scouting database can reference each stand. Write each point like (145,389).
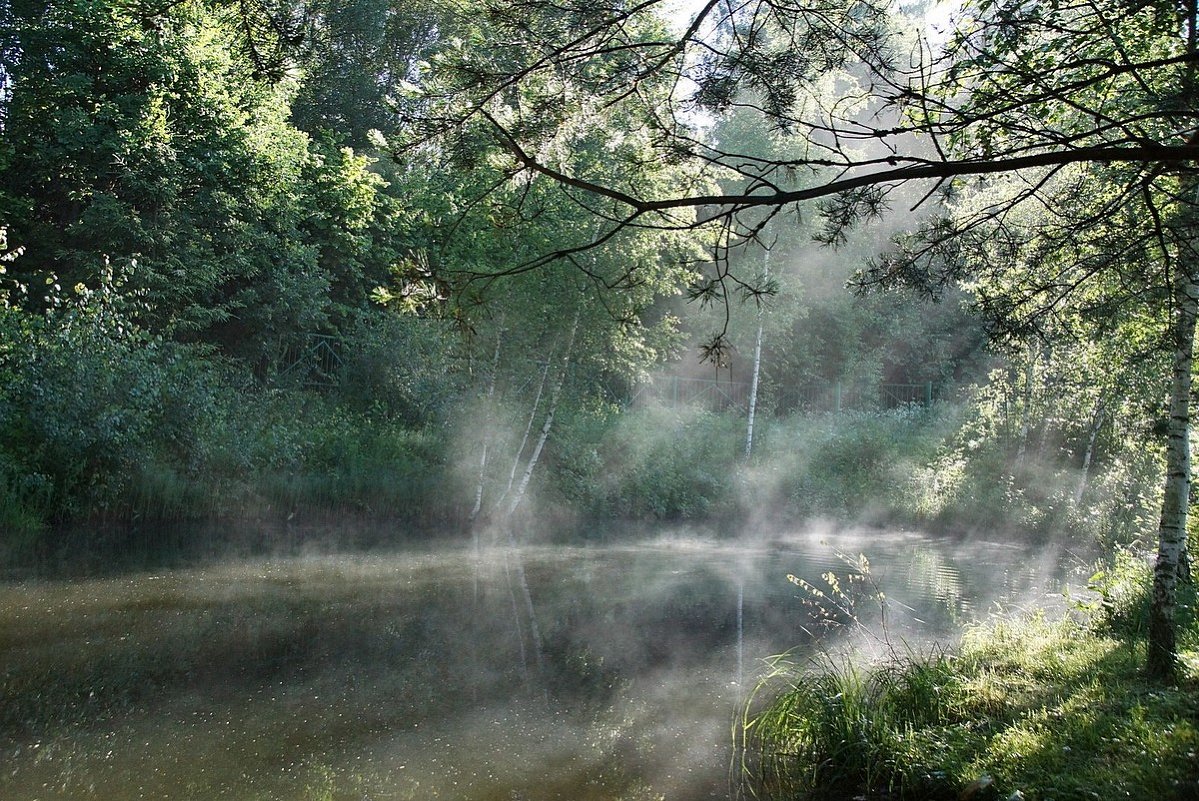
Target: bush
(853,465)
(1122,586)
(400,366)
(653,463)
(663,463)
(100,419)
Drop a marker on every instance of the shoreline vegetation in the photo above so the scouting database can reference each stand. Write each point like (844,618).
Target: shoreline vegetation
(1028,707)
(283,262)
(311,459)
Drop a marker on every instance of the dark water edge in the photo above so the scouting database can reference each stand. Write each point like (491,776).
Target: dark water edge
(103,547)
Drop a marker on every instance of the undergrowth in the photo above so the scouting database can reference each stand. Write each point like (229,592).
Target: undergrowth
(1035,708)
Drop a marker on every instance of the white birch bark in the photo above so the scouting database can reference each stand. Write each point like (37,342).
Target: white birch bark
(753,386)
(478,504)
(1046,391)
(524,440)
(522,487)
(1026,411)
(1172,532)
(544,435)
(1162,662)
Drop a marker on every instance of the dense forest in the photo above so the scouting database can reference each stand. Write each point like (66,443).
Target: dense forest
(269,261)
(235,286)
(448,264)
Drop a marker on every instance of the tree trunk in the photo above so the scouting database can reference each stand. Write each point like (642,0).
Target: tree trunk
(753,387)
(1089,454)
(1047,391)
(522,487)
(555,396)
(1026,411)
(1162,662)
(524,440)
(1172,533)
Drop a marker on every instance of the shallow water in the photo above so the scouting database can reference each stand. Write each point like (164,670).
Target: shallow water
(601,672)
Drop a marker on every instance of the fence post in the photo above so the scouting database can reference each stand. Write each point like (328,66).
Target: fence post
(837,395)
(928,394)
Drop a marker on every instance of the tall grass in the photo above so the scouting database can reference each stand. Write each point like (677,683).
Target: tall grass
(833,727)
(1037,709)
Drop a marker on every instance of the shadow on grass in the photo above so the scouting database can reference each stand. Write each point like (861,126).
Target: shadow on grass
(1050,709)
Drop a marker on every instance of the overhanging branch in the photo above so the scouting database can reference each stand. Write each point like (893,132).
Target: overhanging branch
(938,170)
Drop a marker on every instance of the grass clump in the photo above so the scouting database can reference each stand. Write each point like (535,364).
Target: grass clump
(1040,709)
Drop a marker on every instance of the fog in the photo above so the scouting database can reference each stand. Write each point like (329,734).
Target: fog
(413,674)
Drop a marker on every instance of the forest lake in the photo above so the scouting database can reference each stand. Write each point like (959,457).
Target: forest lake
(602,671)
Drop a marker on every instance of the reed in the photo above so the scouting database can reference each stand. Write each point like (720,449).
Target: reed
(1034,708)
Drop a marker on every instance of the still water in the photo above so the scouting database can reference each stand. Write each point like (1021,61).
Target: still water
(552,672)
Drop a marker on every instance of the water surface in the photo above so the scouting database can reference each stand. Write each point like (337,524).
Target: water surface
(552,672)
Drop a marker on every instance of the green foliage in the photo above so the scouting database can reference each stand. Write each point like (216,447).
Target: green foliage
(100,418)
(405,367)
(1119,600)
(174,145)
(828,731)
(660,463)
(1053,709)
(952,466)
(1016,460)
(358,60)
(84,396)
(653,463)
(351,462)
(159,143)
(854,465)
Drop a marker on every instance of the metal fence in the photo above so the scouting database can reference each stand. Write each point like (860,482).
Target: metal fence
(704,392)
(831,396)
(314,362)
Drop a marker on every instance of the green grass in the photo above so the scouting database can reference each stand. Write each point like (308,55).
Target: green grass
(1055,709)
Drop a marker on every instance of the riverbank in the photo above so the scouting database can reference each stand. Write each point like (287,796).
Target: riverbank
(1040,707)
(312,461)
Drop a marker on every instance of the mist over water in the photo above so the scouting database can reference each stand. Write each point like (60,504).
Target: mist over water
(420,675)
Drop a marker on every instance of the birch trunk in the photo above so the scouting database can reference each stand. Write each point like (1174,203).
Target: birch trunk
(753,386)
(1026,412)
(1046,392)
(1096,424)
(524,440)
(1162,662)
(522,487)
(1172,532)
(544,434)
